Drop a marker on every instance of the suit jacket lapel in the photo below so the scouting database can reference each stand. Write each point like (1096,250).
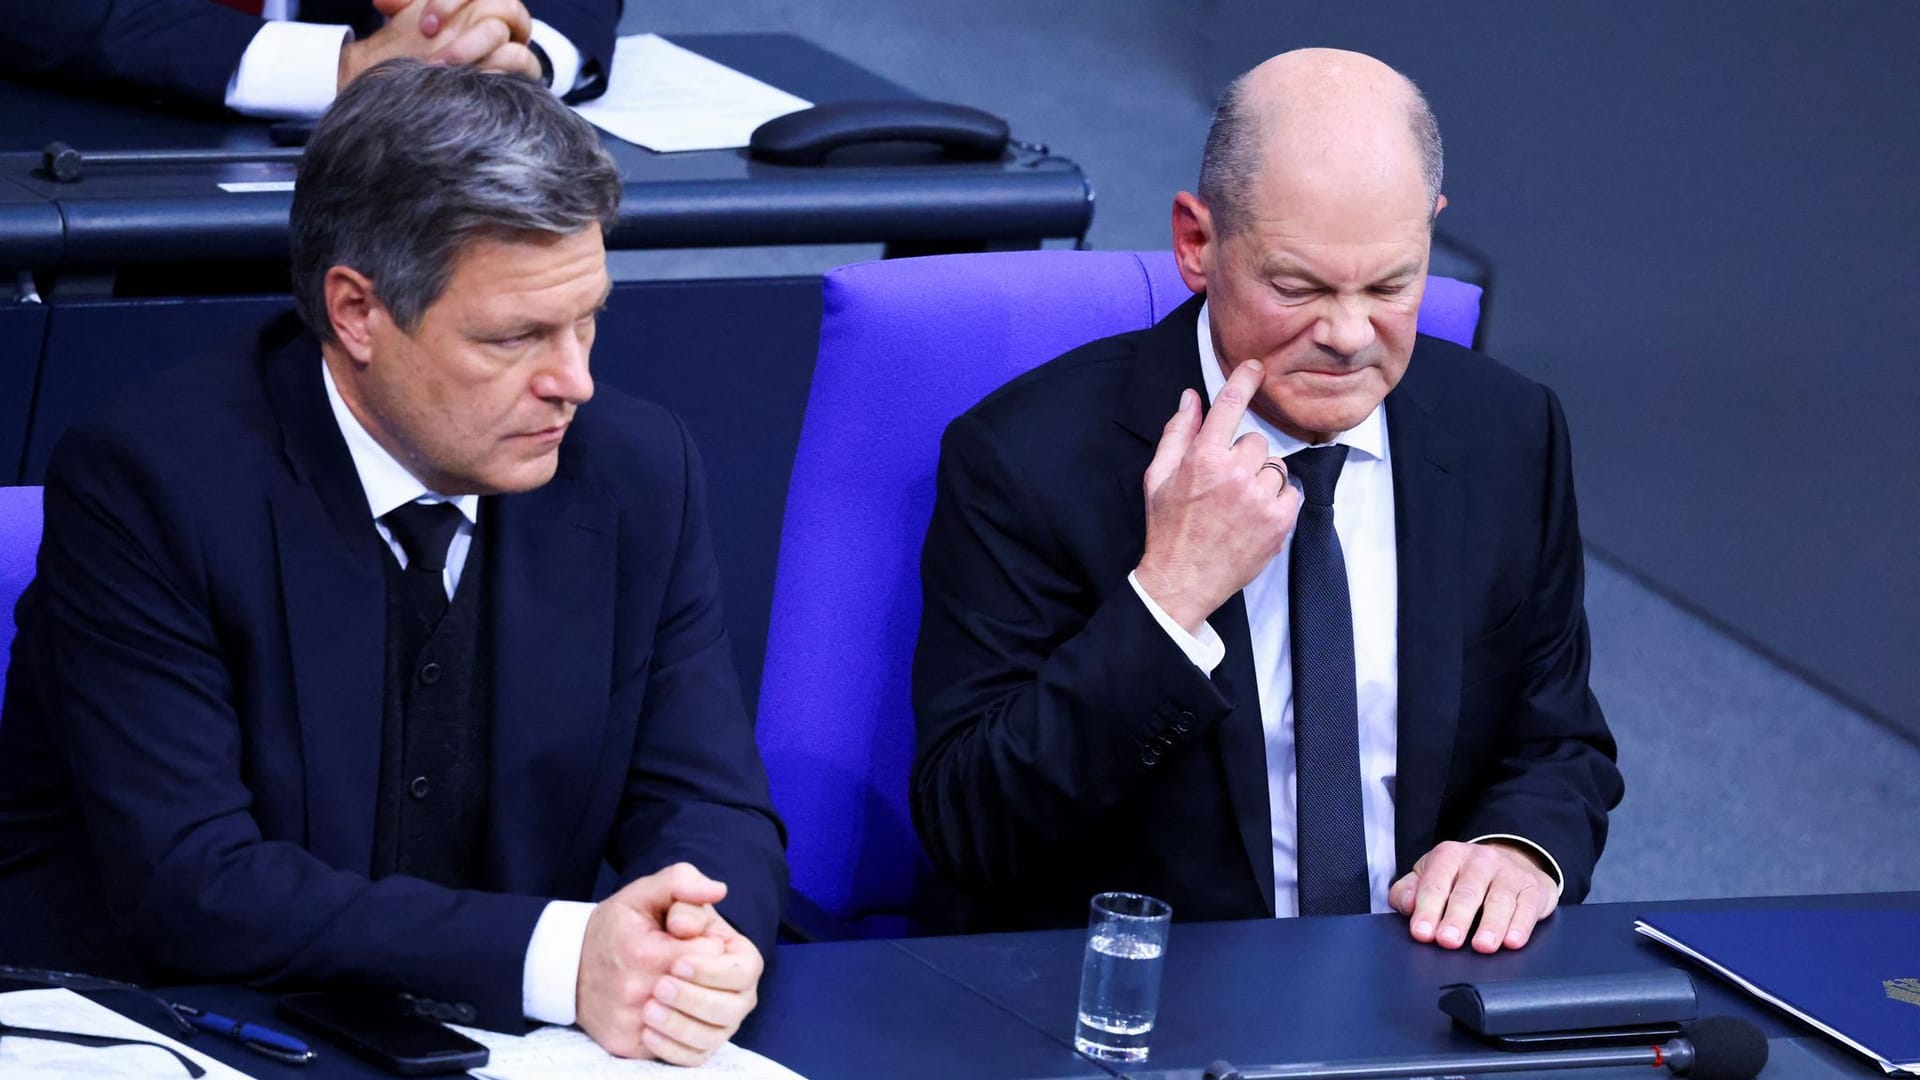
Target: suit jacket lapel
(334,595)
(1429,531)
(552,620)
(1166,363)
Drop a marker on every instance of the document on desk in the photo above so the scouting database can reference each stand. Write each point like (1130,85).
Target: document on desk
(667,98)
(1853,973)
(550,1053)
(63,1010)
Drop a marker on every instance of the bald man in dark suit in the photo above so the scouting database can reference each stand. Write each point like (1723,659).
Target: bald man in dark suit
(1274,608)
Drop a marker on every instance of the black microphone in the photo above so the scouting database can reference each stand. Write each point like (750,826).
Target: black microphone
(1716,1048)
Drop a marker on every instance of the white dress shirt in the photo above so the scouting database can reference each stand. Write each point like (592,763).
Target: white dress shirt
(552,966)
(292,69)
(1363,519)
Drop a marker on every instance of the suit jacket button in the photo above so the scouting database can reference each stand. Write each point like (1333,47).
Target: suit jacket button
(1183,724)
(419,787)
(429,673)
(1149,754)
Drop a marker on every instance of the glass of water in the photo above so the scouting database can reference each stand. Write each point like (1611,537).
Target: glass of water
(1120,977)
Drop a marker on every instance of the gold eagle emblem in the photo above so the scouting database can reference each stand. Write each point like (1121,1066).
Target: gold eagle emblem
(1907,990)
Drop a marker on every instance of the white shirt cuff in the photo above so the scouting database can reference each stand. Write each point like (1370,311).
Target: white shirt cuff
(289,69)
(1205,650)
(552,972)
(1553,864)
(563,54)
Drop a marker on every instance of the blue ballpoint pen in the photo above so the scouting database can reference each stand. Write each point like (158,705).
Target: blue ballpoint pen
(260,1040)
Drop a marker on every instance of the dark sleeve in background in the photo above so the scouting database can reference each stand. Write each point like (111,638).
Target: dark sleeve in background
(592,26)
(1554,778)
(176,50)
(696,790)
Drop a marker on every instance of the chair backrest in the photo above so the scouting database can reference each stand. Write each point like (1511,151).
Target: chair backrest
(19,545)
(906,345)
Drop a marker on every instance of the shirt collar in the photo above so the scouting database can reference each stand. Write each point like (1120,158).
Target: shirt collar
(1369,437)
(387,483)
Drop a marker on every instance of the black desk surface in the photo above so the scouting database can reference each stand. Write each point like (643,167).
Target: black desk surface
(1261,992)
(1295,990)
(855,1010)
(118,215)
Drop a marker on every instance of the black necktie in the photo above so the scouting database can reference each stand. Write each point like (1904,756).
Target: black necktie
(1331,853)
(425,530)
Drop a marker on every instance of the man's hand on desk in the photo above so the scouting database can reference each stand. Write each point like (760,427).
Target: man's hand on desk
(1504,884)
(662,975)
(491,34)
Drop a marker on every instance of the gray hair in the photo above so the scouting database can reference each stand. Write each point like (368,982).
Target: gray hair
(415,161)
(1234,143)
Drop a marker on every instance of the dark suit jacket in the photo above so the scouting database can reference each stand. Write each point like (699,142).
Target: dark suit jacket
(193,716)
(188,50)
(1067,746)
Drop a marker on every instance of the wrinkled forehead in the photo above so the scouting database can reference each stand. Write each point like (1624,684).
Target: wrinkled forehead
(1314,224)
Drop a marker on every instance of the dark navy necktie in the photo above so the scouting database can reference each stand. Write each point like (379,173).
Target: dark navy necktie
(1331,853)
(425,531)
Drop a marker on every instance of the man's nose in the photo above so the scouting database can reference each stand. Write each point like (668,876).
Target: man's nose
(565,375)
(1346,327)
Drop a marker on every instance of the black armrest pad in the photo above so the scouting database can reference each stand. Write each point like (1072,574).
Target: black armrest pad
(1570,1003)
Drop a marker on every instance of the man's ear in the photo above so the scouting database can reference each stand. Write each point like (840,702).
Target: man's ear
(1193,239)
(352,310)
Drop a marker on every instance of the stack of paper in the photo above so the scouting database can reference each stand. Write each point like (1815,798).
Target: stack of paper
(666,98)
(550,1053)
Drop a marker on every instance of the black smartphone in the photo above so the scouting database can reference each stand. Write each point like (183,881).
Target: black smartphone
(383,1029)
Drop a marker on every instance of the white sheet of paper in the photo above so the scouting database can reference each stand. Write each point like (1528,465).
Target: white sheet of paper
(667,98)
(64,1010)
(552,1053)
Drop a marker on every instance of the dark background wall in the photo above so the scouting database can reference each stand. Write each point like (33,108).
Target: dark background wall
(1705,222)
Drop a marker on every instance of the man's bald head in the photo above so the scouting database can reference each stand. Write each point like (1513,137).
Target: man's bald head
(1327,112)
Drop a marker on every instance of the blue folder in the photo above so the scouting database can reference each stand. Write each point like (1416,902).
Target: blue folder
(1852,973)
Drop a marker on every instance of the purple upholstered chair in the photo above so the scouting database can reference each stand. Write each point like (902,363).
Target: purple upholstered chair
(906,345)
(19,544)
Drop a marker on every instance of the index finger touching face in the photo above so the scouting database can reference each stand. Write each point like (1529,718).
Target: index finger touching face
(1223,420)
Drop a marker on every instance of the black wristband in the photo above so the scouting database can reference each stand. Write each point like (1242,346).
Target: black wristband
(546,62)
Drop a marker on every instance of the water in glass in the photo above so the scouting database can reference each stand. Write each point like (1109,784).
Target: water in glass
(1119,994)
